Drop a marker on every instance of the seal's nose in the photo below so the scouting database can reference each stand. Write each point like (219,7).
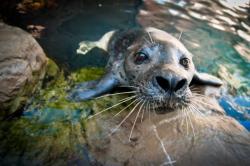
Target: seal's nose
(171,84)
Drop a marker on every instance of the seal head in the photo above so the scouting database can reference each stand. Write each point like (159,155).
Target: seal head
(154,63)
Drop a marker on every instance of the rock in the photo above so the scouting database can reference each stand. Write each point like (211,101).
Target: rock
(202,135)
(22,66)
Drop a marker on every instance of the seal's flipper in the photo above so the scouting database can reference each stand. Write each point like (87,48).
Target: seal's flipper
(86,85)
(94,89)
(206,79)
(102,43)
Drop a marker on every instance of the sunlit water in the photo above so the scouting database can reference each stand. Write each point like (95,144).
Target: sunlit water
(51,130)
(218,34)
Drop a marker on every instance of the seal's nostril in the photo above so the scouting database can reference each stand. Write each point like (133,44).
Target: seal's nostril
(180,84)
(163,83)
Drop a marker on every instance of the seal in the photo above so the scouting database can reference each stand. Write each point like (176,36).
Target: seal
(192,128)
(151,61)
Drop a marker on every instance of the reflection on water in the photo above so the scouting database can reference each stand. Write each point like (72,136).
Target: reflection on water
(52,130)
(238,107)
(218,34)
(74,21)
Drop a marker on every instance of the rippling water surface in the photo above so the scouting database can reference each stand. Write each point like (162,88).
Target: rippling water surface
(52,130)
(217,32)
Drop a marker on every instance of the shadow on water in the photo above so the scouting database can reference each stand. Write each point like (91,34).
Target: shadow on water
(60,29)
(52,129)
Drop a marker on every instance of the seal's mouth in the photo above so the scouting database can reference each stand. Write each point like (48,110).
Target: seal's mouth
(164,102)
(166,106)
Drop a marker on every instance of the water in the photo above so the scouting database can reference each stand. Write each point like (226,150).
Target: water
(51,130)
(218,34)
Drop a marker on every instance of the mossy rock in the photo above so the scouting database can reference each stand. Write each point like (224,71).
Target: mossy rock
(54,93)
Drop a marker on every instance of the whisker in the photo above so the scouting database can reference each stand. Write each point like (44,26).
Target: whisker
(121,93)
(149,110)
(196,109)
(136,120)
(182,113)
(170,119)
(146,40)
(123,101)
(126,107)
(202,102)
(191,110)
(195,95)
(117,127)
(127,98)
(144,111)
(191,123)
(154,106)
(180,36)
(194,87)
(128,86)
(199,97)
(199,94)
(194,91)
(150,37)
(186,121)
(194,104)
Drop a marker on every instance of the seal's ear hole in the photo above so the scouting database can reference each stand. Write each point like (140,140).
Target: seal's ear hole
(205,79)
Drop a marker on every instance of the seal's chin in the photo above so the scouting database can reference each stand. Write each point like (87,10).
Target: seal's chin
(163,102)
(170,105)
(163,109)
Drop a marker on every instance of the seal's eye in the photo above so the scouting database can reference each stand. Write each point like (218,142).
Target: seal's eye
(140,57)
(185,62)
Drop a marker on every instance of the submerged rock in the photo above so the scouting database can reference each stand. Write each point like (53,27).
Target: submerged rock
(22,66)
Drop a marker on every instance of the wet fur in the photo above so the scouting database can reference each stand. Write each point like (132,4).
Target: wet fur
(164,52)
(192,129)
